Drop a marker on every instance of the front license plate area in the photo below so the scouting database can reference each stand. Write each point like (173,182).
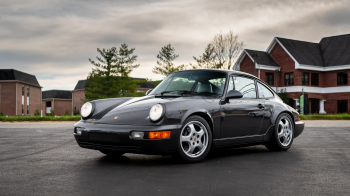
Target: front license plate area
(104,137)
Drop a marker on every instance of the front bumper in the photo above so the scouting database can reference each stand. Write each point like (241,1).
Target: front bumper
(299,128)
(117,138)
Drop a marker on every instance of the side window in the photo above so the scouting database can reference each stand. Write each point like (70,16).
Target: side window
(264,92)
(230,85)
(246,86)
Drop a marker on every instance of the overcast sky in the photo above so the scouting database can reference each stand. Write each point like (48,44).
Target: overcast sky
(54,39)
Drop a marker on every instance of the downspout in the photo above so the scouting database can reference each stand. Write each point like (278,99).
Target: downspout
(41,102)
(254,69)
(16,97)
(72,104)
(276,70)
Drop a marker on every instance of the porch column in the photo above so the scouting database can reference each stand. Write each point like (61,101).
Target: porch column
(296,102)
(322,107)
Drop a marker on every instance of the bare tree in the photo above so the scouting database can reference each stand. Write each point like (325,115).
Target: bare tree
(222,52)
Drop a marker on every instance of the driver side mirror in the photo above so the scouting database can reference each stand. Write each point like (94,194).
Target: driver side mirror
(233,94)
(149,91)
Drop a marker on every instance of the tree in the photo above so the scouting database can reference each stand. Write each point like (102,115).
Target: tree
(165,63)
(221,52)
(110,77)
(207,60)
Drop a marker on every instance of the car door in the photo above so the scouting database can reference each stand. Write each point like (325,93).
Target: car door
(266,96)
(244,116)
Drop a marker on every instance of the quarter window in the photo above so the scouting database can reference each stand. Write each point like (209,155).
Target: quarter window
(269,78)
(342,78)
(314,79)
(288,79)
(305,78)
(246,86)
(264,92)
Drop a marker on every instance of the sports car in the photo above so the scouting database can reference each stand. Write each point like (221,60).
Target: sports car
(189,113)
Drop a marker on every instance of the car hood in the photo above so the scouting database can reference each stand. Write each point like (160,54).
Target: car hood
(135,111)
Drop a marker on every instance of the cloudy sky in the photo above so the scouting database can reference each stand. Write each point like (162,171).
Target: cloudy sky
(54,39)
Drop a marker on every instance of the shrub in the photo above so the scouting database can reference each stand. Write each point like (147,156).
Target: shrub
(76,112)
(52,113)
(2,113)
(67,113)
(37,113)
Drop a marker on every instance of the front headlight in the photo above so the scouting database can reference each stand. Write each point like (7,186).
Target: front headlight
(156,112)
(86,110)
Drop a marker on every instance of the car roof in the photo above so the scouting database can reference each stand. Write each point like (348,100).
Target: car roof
(229,72)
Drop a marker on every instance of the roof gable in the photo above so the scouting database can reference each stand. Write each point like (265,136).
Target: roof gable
(80,85)
(336,50)
(306,53)
(12,74)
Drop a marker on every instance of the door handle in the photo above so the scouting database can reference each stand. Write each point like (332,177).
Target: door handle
(261,106)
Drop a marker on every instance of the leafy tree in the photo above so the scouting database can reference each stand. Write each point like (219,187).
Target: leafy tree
(110,77)
(165,63)
(284,96)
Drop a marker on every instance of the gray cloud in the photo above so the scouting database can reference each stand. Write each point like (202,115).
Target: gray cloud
(55,39)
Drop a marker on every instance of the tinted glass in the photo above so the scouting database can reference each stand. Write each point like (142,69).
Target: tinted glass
(263,91)
(194,82)
(246,86)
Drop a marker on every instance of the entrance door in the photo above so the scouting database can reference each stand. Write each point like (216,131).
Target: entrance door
(244,116)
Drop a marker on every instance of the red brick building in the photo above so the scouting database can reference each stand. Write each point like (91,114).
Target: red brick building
(320,70)
(58,101)
(20,93)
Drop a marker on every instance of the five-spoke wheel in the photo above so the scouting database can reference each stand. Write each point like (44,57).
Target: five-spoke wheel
(282,137)
(195,139)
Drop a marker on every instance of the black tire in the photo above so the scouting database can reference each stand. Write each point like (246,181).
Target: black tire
(275,143)
(112,153)
(205,138)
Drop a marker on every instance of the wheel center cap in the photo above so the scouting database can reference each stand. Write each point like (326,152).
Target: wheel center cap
(194,139)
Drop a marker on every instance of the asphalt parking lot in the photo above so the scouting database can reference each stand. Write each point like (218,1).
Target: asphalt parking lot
(44,159)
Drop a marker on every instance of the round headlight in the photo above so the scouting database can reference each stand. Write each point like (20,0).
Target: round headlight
(86,110)
(156,112)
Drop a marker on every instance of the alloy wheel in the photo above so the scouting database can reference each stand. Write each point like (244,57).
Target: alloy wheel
(285,131)
(194,139)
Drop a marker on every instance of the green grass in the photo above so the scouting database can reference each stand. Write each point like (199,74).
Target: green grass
(38,118)
(325,117)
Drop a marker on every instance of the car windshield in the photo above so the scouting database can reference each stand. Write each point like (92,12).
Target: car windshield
(200,82)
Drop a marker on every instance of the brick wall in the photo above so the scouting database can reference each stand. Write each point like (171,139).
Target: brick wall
(60,107)
(77,96)
(247,65)
(8,98)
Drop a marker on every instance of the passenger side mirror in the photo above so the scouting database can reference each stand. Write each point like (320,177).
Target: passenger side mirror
(149,91)
(233,94)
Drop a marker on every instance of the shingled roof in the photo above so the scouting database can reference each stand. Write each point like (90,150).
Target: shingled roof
(56,94)
(80,85)
(12,74)
(262,58)
(336,50)
(306,53)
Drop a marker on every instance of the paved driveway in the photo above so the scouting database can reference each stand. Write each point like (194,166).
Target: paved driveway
(44,159)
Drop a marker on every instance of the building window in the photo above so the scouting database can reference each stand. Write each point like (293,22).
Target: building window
(269,78)
(314,79)
(28,100)
(342,78)
(288,79)
(22,100)
(342,106)
(305,78)
(315,106)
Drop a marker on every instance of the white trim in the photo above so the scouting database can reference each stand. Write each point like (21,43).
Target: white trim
(267,67)
(237,65)
(321,90)
(272,45)
(319,68)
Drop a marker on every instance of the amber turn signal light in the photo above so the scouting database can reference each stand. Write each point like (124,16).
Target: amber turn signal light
(159,134)
(298,118)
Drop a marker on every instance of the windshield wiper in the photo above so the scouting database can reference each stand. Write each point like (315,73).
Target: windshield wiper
(182,92)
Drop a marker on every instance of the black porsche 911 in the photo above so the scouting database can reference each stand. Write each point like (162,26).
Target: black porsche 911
(189,113)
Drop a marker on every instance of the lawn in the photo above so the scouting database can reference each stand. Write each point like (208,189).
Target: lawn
(38,118)
(325,117)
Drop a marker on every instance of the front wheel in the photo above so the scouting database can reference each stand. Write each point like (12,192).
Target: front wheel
(282,137)
(195,140)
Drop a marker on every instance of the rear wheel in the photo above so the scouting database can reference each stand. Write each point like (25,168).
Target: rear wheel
(195,140)
(111,153)
(282,137)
